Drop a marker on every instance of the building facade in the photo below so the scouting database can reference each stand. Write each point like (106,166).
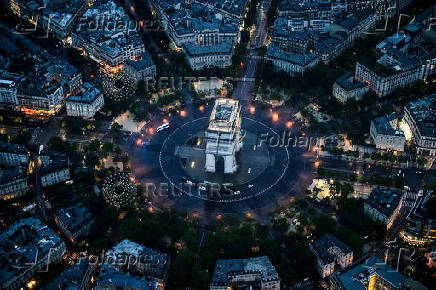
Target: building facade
(27,246)
(346,88)
(207,32)
(8,93)
(12,184)
(52,16)
(13,154)
(258,273)
(384,85)
(200,57)
(384,205)
(74,221)
(76,277)
(87,104)
(385,134)
(367,273)
(141,68)
(420,117)
(329,253)
(55,168)
(289,62)
(108,46)
(151,264)
(42,91)
(111,279)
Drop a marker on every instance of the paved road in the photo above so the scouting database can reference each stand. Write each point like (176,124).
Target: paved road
(244,87)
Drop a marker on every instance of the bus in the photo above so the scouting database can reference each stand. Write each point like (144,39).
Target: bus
(162,127)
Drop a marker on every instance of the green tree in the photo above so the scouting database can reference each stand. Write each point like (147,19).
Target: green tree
(116,128)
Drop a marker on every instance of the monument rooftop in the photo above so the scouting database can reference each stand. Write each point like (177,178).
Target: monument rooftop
(224,116)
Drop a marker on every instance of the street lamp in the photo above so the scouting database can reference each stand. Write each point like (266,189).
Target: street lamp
(275,117)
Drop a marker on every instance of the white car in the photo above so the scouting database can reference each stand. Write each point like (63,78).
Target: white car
(250,186)
(237,192)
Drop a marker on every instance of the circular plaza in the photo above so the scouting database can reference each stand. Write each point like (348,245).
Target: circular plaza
(182,159)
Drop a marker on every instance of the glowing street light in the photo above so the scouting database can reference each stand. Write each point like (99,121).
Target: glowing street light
(201,108)
(139,142)
(31,284)
(252,110)
(275,117)
(165,121)
(289,124)
(183,113)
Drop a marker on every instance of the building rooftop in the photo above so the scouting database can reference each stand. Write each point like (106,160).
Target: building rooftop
(110,40)
(159,262)
(357,275)
(111,277)
(224,116)
(282,29)
(323,245)
(143,62)
(12,148)
(47,77)
(8,83)
(8,176)
(71,278)
(199,50)
(21,243)
(423,112)
(74,218)
(226,268)
(274,52)
(235,8)
(89,95)
(187,18)
(352,20)
(62,12)
(384,201)
(52,161)
(298,6)
(383,126)
(347,82)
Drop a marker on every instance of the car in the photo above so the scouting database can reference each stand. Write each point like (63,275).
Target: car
(162,127)
(237,192)
(250,185)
